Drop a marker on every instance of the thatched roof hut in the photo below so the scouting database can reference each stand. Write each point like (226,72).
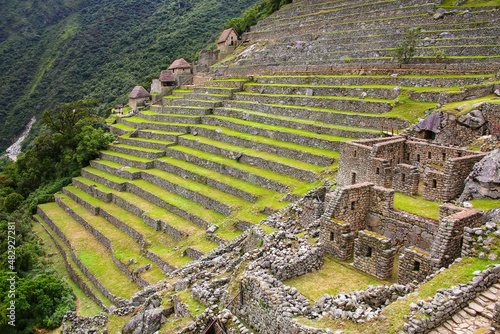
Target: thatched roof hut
(138,92)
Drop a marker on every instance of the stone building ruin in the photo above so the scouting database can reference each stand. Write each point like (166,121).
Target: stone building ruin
(360,221)
(401,163)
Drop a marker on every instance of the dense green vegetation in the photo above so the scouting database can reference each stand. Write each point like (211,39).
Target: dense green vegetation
(254,14)
(58,51)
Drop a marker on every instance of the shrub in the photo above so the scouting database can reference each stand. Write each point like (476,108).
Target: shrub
(12,202)
(406,50)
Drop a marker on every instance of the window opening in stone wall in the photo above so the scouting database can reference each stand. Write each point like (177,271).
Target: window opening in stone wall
(369,251)
(408,157)
(353,205)
(332,236)
(461,242)
(416,266)
(459,154)
(429,155)
(353,178)
(403,177)
(355,153)
(418,157)
(377,171)
(434,183)
(444,156)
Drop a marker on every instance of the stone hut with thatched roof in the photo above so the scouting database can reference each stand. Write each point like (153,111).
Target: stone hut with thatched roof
(228,40)
(167,78)
(180,66)
(138,97)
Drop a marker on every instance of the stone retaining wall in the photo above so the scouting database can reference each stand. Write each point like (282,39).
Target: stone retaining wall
(127,162)
(280,150)
(194,253)
(123,173)
(235,172)
(212,182)
(136,152)
(373,254)
(215,238)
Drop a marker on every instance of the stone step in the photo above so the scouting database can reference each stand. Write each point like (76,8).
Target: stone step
(348,119)
(215,90)
(258,176)
(275,163)
(232,83)
(187,110)
(146,153)
(376,80)
(298,124)
(94,257)
(187,209)
(156,246)
(300,137)
(209,197)
(181,92)
(213,179)
(208,97)
(169,118)
(157,218)
(146,142)
(382,92)
(142,124)
(123,246)
(71,267)
(127,160)
(165,136)
(192,103)
(289,150)
(373,106)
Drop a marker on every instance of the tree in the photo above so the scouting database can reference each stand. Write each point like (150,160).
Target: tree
(405,51)
(13,202)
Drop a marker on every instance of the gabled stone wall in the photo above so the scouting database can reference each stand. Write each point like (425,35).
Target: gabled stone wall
(405,179)
(336,239)
(373,254)
(414,265)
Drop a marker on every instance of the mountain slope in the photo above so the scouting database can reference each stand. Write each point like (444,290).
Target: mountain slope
(59,51)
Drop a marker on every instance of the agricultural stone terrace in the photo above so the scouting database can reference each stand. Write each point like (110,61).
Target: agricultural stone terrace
(227,188)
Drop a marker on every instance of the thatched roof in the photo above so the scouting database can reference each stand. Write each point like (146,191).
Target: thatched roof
(167,76)
(138,92)
(225,34)
(179,63)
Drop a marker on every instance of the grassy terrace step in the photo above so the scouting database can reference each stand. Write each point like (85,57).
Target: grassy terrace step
(165,136)
(54,239)
(379,92)
(124,247)
(161,198)
(151,143)
(146,153)
(376,106)
(258,176)
(120,129)
(91,253)
(278,164)
(208,97)
(140,207)
(117,169)
(127,160)
(307,154)
(169,118)
(298,124)
(186,110)
(301,137)
(199,103)
(226,183)
(216,90)
(348,119)
(158,243)
(203,194)
(141,124)
(233,83)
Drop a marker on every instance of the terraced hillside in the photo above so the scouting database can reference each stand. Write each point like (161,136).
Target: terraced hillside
(318,35)
(208,162)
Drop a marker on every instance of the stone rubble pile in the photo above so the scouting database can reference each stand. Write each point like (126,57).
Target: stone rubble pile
(360,306)
(209,292)
(75,324)
(477,241)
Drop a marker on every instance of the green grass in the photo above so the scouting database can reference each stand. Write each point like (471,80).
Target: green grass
(485,204)
(469,3)
(192,303)
(117,165)
(409,109)
(126,156)
(92,254)
(321,97)
(147,140)
(136,148)
(85,305)
(450,108)
(123,127)
(416,205)
(333,278)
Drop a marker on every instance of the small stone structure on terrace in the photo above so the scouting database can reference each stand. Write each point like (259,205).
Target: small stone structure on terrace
(228,40)
(137,97)
(402,162)
(180,66)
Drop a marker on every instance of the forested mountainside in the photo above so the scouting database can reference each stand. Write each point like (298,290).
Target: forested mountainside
(57,51)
